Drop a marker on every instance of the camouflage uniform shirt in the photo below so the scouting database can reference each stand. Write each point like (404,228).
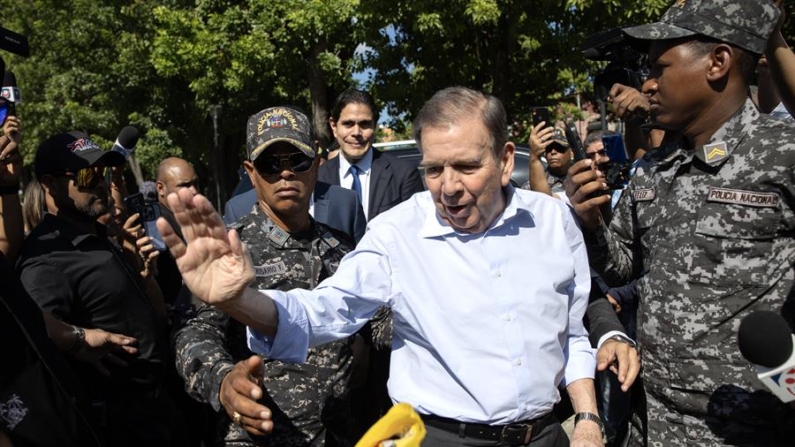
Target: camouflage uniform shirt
(305,399)
(714,229)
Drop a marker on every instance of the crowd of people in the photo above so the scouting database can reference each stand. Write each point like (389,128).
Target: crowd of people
(333,288)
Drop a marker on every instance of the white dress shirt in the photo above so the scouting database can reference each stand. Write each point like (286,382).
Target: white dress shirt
(485,325)
(365,168)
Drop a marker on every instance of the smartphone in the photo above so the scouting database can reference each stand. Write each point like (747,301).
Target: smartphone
(614,148)
(574,142)
(148,212)
(540,114)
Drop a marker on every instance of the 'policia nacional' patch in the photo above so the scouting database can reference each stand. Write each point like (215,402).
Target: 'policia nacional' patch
(644,194)
(264,270)
(740,197)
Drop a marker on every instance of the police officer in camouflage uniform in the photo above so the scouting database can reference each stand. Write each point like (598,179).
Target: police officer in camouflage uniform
(710,216)
(290,250)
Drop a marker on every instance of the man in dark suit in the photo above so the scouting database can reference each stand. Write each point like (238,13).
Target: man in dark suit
(334,206)
(380,180)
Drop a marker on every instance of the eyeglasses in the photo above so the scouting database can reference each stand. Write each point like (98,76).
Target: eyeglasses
(592,155)
(270,164)
(90,177)
(557,148)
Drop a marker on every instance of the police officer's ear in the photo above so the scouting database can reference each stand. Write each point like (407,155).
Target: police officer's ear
(721,58)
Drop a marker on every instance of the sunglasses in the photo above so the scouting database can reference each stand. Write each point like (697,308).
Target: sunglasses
(89,177)
(557,148)
(271,164)
(592,155)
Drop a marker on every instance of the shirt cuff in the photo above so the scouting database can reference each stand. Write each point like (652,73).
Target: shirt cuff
(292,336)
(608,335)
(581,363)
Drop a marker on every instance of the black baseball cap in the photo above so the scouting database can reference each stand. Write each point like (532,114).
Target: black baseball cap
(71,152)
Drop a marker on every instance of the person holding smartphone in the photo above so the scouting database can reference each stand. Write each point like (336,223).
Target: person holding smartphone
(549,143)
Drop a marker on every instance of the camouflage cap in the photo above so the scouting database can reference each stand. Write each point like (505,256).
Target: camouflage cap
(559,137)
(278,124)
(743,23)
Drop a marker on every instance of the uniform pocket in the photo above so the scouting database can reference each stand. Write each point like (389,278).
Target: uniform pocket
(732,244)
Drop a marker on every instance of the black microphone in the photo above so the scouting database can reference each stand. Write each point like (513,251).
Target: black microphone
(11,93)
(766,340)
(126,141)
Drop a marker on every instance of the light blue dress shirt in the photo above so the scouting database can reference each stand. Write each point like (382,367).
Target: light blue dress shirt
(485,325)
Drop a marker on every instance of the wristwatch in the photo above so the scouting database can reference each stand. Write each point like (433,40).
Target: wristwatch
(585,416)
(623,339)
(80,339)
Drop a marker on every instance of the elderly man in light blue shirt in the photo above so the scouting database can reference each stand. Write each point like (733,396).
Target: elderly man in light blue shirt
(488,285)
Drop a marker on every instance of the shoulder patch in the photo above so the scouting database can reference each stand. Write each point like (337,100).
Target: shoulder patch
(741,197)
(715,153)
(644,194)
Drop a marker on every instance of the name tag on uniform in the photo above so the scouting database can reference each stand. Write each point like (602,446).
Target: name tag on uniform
(740,197)
(644,194)
(270,269)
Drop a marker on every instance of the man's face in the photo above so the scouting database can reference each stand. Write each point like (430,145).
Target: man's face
(596,152)
(82,202)
(354,131)
(558,160)
(463,176)
(287,191)
(179,176)
(677,83)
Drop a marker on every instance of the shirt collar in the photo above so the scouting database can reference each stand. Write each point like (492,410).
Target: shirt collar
(364,164)
(70,232)
(434,226)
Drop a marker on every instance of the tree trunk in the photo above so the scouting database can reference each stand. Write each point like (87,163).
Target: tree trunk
(318,95)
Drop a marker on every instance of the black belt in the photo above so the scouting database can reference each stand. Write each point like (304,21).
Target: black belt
(519,433)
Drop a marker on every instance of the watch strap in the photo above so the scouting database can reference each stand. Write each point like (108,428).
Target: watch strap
(586,416)
(80,339)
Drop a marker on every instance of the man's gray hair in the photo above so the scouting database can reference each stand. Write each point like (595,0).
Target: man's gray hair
(455,104)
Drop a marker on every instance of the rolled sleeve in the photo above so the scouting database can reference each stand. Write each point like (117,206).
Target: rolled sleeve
(292,337)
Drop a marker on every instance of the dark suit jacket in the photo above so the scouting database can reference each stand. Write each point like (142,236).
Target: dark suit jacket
(335,206)
(392,181)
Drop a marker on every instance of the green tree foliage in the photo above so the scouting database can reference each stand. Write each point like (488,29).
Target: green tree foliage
(165,65)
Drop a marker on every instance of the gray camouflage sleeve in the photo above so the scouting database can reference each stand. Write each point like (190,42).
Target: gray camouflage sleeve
(202,357)
(610,247)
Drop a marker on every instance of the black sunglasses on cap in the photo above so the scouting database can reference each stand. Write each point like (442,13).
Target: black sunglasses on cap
(271,164)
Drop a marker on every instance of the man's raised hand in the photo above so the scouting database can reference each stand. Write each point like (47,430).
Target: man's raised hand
(214,263)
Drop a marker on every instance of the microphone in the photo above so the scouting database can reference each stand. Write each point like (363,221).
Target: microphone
(766,340)
(126,141)
(10,92)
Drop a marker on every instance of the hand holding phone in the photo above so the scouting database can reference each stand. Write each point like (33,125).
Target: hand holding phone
(149,213)
(540,114)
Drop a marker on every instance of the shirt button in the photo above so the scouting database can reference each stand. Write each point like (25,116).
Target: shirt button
(506,317)
(518,362)
(498,274)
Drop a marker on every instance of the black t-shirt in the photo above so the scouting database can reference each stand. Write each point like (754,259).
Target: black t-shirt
(84,280)
(41,399)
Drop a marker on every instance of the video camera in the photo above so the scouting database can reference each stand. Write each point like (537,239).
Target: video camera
(626,65)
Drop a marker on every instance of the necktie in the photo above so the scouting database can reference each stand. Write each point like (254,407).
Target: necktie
(357,184)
